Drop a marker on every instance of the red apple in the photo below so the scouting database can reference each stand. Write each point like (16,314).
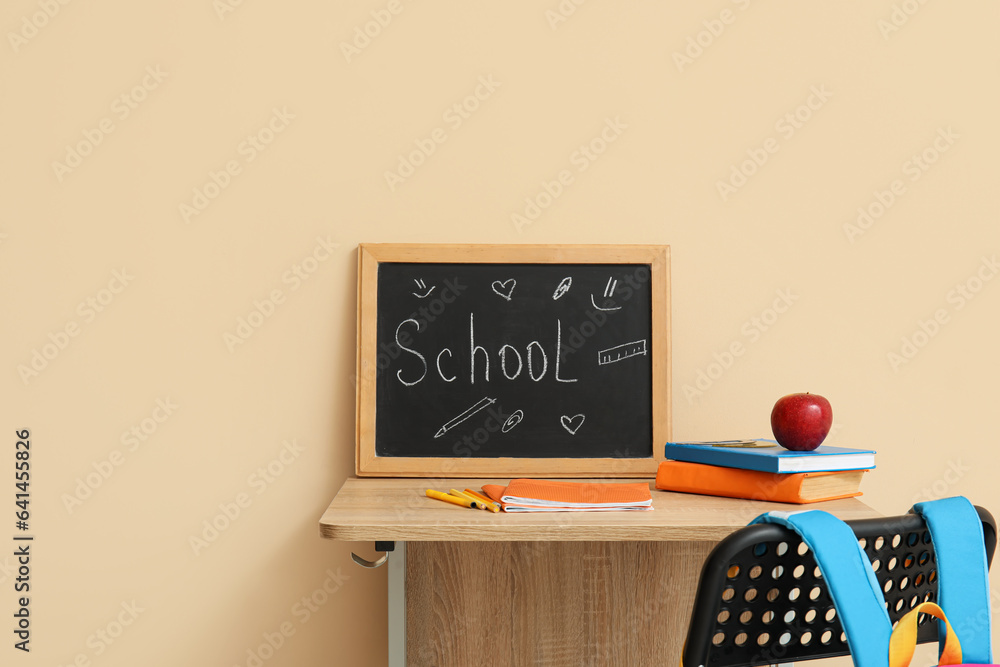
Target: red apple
(800,422)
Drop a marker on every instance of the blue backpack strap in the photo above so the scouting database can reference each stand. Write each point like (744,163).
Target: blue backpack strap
(850,581)
(963,574)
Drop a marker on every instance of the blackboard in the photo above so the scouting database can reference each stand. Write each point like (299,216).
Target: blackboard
(479,359)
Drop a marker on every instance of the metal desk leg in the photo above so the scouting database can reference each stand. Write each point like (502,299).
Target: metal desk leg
(397,606)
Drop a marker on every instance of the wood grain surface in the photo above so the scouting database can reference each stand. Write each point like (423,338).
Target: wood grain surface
(549,603)
(397,509)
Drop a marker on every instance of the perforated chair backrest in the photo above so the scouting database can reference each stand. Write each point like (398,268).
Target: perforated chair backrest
(761,599)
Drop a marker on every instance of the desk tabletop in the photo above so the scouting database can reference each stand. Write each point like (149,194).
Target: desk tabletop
(372,509)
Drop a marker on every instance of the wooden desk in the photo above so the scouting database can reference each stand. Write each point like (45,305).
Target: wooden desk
(566,588)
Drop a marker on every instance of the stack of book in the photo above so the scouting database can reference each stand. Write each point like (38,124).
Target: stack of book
(763,470)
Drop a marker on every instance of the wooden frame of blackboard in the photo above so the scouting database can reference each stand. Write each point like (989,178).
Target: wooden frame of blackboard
(370,256)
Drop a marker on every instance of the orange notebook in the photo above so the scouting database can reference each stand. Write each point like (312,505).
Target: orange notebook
(798,488)
(536,495)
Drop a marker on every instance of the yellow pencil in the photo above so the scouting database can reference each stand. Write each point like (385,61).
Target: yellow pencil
(478,501)
(448,498)
(491,505)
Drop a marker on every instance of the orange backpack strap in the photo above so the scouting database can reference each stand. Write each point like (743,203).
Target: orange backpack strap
(904,638)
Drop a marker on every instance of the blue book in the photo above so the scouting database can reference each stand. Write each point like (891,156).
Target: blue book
(769,456)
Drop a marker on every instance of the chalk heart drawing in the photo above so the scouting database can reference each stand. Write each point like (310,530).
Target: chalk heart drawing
(571,424)
(505,288)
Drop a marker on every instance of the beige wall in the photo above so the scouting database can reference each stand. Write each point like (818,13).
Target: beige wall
(159,97)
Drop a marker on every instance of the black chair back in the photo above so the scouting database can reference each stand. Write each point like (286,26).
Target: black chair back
(761,599)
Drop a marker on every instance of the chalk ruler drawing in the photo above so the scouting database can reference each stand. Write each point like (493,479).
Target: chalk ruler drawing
(423,286)
(563,287)
(482,404)
(512,421)
(504,289)
(572,424)
(623,351)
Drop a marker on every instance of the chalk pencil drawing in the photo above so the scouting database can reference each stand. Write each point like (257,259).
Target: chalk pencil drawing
(481,404)
(504,289)
(623,351)
(422,286)
(572,424)
(512,421)
(563,287)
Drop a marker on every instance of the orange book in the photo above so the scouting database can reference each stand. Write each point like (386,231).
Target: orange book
(798,488)
(536,495)
(494,492)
